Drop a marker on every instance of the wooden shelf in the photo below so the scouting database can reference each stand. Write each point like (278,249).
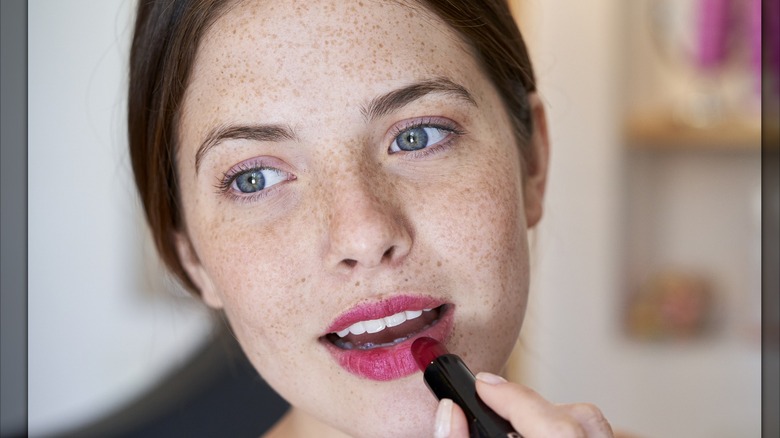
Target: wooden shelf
(662,131)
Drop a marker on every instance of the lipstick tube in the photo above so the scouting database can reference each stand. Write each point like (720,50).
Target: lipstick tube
(448,377)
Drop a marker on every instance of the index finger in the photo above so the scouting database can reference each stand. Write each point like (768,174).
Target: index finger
(530,414)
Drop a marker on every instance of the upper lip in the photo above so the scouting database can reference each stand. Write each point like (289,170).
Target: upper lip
(382,308)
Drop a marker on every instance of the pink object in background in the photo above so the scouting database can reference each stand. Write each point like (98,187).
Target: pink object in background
(713,24)
(755,42)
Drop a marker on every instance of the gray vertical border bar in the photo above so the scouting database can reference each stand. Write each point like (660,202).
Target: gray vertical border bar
(770,219)
(13,218)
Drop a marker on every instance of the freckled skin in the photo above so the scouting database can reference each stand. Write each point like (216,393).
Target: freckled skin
(285,265)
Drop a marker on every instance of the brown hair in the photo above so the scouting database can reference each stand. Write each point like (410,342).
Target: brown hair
(165,41)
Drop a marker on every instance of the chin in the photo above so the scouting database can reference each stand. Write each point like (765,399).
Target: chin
(402,408)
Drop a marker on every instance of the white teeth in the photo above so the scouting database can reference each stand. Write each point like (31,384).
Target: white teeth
(377,325)
(357,328)
(374,325)
(411,314)
(394,320)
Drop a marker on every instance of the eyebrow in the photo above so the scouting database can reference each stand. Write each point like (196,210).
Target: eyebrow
(377,107)
(396,99)
(272,133)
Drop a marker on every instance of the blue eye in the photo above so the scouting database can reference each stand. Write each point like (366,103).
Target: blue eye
(257,179)
(418,137)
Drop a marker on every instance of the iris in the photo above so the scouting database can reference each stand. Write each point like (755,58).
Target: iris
(412,139)
(250,182)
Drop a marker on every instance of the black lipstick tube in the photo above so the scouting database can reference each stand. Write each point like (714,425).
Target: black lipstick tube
(448,377)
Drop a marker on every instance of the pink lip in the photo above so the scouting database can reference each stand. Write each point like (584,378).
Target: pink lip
(381,309)
(387,363)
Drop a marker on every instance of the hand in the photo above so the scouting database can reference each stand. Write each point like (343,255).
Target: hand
(530,414)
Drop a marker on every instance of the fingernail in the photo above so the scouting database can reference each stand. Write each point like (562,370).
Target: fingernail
(443,418)
(489,378)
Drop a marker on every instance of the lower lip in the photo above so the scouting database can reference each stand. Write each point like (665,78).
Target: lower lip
(390,363)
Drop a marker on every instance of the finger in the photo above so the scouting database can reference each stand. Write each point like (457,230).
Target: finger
(590,418)
(459,424)
(530,414)
(450,421)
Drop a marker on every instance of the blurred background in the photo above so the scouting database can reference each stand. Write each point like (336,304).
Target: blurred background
(647,299)
(646,288)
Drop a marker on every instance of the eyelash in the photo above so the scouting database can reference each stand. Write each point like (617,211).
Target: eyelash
(224,184)
(443,124)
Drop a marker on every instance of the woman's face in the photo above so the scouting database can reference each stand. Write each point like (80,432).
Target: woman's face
(347,165)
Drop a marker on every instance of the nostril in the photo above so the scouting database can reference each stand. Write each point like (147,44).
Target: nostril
(388,255)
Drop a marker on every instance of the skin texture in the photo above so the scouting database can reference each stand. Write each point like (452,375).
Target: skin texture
(350,222)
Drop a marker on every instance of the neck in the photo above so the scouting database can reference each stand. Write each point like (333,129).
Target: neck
(296,423)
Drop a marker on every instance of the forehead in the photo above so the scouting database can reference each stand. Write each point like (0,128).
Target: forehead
(321,31)
(263,53)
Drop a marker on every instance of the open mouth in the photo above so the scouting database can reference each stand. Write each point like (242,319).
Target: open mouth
(386,332)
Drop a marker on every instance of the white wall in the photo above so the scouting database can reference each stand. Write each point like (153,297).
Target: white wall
(101,326)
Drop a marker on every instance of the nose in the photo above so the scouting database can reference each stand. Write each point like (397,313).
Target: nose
(366,225)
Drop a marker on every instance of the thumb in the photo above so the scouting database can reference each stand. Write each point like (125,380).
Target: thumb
(450,421)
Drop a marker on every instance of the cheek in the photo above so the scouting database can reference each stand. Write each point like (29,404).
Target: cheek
(255,269)
(480,220)
(480,234)
(476,224)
